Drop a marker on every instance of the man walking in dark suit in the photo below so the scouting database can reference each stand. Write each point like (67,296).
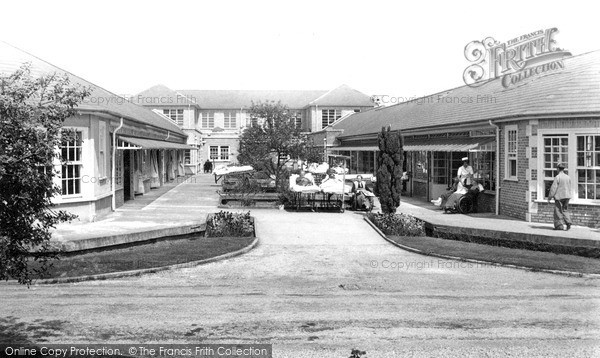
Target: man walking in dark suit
(561,192)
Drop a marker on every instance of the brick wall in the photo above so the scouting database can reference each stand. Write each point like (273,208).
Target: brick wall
(584,215)
(520,198)
(486,203)
(513,194)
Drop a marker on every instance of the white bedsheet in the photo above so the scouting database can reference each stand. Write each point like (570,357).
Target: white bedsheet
(227,170)
(335,187)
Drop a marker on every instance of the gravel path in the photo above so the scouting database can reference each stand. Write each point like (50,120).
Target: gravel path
(318,285)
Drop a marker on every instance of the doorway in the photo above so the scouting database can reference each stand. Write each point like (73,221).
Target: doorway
(127,175)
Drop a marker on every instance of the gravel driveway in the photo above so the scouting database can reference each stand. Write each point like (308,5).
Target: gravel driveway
(318,285)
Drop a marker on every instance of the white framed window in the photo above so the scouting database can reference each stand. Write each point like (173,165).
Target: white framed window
(328,116)
(229,120)
(102,149)
(119,168)
(219,152)
(224,154)
(512,151)
(175,114)
(208,120)
(214,152)
(187,156)
(71,153)
(483,166)
(297,119)
(440,167)
(253,121)
(588,167)
(555,151)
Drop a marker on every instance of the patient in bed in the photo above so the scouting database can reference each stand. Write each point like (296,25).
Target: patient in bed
(305,179)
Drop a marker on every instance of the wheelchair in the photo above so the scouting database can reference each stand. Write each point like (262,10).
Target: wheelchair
(465,205)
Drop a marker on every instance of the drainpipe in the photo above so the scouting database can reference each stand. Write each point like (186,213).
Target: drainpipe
(114,165)
(497,166)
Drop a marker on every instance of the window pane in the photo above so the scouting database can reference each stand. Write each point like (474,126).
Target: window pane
(547,186)
(581,191)
(580,143)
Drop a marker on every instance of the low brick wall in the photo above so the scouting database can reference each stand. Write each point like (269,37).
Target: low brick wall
(583,215)
(486,203)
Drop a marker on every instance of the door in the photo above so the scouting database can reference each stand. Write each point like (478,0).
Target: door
(127,193)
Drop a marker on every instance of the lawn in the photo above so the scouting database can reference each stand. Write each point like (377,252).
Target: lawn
(504,255)
(147,255)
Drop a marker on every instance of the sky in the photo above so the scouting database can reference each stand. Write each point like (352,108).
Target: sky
(392,48)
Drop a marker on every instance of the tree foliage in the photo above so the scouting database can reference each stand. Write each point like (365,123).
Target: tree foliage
(273,137)
(389,170)
(32,112)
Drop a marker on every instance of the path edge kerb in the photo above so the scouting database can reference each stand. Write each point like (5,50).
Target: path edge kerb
(494,263)
(140,272)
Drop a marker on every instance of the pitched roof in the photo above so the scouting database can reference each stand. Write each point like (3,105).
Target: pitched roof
(235,99)
(343,96)
(162,95)
(12,58)
(572,90)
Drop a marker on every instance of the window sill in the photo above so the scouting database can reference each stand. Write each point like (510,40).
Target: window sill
(571,202)
(71,197)
(515,180)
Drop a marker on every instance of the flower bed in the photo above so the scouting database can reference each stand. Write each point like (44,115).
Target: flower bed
(398,224)
(225,223)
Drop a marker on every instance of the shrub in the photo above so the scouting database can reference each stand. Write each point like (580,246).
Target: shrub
(398,224)
(225,223)
(389,170)
(246,191)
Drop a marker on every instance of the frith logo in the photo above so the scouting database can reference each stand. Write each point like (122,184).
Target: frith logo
(514,60)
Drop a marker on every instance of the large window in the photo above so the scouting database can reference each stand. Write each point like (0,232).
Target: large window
(556,150)
(328,116)
(71,148)
(366,163)
(511,152)
(187,156)
(208,120)
(224,152)
(440,169)
(119,168)
(483,167)
(214,152)
(297,118)
(219,152)
(229,120)
(175,114)
(102,149)
(588,167)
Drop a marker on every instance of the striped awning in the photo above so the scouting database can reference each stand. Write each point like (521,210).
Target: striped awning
(447,144)
(355,149)
(141,143)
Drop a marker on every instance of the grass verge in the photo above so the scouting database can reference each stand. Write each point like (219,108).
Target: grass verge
(144,256)
(503,255)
